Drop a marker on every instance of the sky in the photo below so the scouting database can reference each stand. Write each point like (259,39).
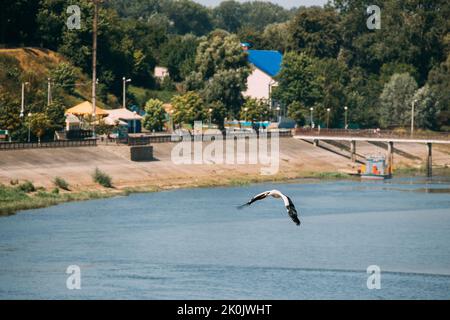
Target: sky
(285,3)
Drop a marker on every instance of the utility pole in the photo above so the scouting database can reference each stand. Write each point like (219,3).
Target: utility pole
(94,63)
(49,92)
(412,117)
(22,106)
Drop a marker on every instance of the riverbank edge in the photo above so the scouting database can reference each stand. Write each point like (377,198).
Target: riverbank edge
(43,199)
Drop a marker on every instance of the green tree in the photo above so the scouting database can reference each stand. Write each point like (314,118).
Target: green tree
(188,108)
(155,116)
(255,110)
(396,99)
(64,76)
(39,124)
(55,114)
(220,52)
(9,116)
(297,80)
(314,31)
(277,37)
(297,112)
(178,55)
(439,82)
(229,15)
(226,86)
(221,72)
(189,17)
(332,77)
(426,110)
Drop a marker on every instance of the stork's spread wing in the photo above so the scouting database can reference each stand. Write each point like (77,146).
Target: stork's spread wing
(291,209)
(260,196)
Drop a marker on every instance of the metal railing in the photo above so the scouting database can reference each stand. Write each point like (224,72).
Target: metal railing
(50,144)
(372,133)
(149,139)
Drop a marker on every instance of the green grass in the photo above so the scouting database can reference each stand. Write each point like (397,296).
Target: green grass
(61,183)
(27,187)
(142,95)
(329,175)
(102,178)
(13,199)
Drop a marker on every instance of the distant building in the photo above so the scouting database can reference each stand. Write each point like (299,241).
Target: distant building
(266,64)
(161,72)
(132,119)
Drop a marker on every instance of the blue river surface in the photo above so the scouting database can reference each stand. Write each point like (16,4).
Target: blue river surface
(195,244)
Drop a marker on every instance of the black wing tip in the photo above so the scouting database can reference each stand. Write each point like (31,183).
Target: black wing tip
(242,206)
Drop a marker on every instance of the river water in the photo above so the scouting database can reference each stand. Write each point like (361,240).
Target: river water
(195,244)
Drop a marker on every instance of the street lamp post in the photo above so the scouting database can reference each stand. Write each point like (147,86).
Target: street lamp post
(412,116)
(328,117)
(210,113)
(311,117)
(22,107)
(278,114)
(245,109)
(171,120)
(49,91)
(346,125)
(134,121)
(124,80)
(29,127)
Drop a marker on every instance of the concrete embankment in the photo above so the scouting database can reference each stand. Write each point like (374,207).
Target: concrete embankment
(297,158)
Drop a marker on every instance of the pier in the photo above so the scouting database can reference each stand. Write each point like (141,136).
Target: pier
(388,137)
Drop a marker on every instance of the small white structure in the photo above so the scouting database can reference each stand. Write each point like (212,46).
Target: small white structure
(161,72)
(72,122)
(123,115)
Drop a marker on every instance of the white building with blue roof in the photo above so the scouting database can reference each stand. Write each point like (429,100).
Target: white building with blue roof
(266,65)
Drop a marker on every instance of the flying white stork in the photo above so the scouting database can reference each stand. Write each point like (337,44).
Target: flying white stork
(276,194)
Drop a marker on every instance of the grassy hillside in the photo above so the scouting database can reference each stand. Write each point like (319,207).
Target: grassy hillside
(35,65)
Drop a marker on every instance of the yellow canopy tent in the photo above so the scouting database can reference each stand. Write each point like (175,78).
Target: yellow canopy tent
(85,109)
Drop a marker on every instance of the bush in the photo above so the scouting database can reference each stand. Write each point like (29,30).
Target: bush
(102,178)
(27,187)
(61,183)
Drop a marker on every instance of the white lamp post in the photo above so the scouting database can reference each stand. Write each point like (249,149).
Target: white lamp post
(210,114)
(171,120)
(328,117)
(124,81)
(346,125)
(29,127)
(134,121)
(22,107)
(311,117)
(412,116)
